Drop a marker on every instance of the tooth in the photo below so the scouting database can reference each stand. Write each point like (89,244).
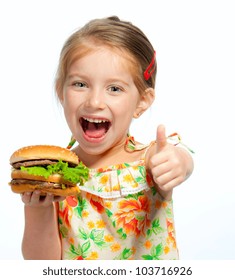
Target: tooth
(94,120)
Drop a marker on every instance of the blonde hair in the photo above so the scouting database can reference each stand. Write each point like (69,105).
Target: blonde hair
(120,35)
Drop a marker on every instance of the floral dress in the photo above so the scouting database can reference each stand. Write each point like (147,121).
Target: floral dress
(118,215)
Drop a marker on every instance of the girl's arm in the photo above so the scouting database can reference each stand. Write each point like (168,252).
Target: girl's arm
(41,240)
(169,165)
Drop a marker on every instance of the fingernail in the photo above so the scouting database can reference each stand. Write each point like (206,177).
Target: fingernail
(37,192)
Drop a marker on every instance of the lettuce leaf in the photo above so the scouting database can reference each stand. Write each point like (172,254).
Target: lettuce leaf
(76,175)
(36,171)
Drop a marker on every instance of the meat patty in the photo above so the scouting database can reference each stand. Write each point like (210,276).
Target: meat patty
(29,163)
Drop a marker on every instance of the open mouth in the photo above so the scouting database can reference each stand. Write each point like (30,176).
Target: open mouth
(95,128)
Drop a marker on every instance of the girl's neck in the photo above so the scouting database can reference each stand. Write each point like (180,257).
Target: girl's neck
(115,155)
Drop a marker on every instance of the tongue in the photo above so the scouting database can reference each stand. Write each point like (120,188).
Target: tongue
(95,131)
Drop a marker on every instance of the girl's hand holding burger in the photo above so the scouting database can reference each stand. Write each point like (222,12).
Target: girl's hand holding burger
(35,199)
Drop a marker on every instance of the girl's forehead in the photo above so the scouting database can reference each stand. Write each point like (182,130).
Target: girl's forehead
(119,54)
(82,51)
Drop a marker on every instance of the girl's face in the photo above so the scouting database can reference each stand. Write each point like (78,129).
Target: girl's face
(100,100)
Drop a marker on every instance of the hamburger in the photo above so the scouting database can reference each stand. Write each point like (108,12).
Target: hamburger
(50,169)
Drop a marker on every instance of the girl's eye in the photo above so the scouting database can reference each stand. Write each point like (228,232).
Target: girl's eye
(79,84)
(115,89)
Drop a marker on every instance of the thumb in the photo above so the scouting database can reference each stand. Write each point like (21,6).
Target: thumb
(161,138)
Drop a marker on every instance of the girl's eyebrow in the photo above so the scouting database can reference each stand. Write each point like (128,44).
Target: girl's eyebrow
(118,80)
(71,76)
(110,80)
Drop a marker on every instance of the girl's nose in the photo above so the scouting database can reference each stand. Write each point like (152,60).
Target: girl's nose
(95,100)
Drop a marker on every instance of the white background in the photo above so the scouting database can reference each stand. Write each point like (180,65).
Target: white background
(195,45)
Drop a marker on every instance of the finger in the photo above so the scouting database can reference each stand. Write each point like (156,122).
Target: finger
(35,197)
(48,199)
(161,169)
(161,138)
(168,185)
(163,179)
(26,197)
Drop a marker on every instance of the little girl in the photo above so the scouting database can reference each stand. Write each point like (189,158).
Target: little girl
(106,77)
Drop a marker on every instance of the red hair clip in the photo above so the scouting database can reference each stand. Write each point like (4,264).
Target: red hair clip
(148,72)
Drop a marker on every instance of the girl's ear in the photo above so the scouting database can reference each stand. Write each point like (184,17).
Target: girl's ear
(61,99)
(146,100)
